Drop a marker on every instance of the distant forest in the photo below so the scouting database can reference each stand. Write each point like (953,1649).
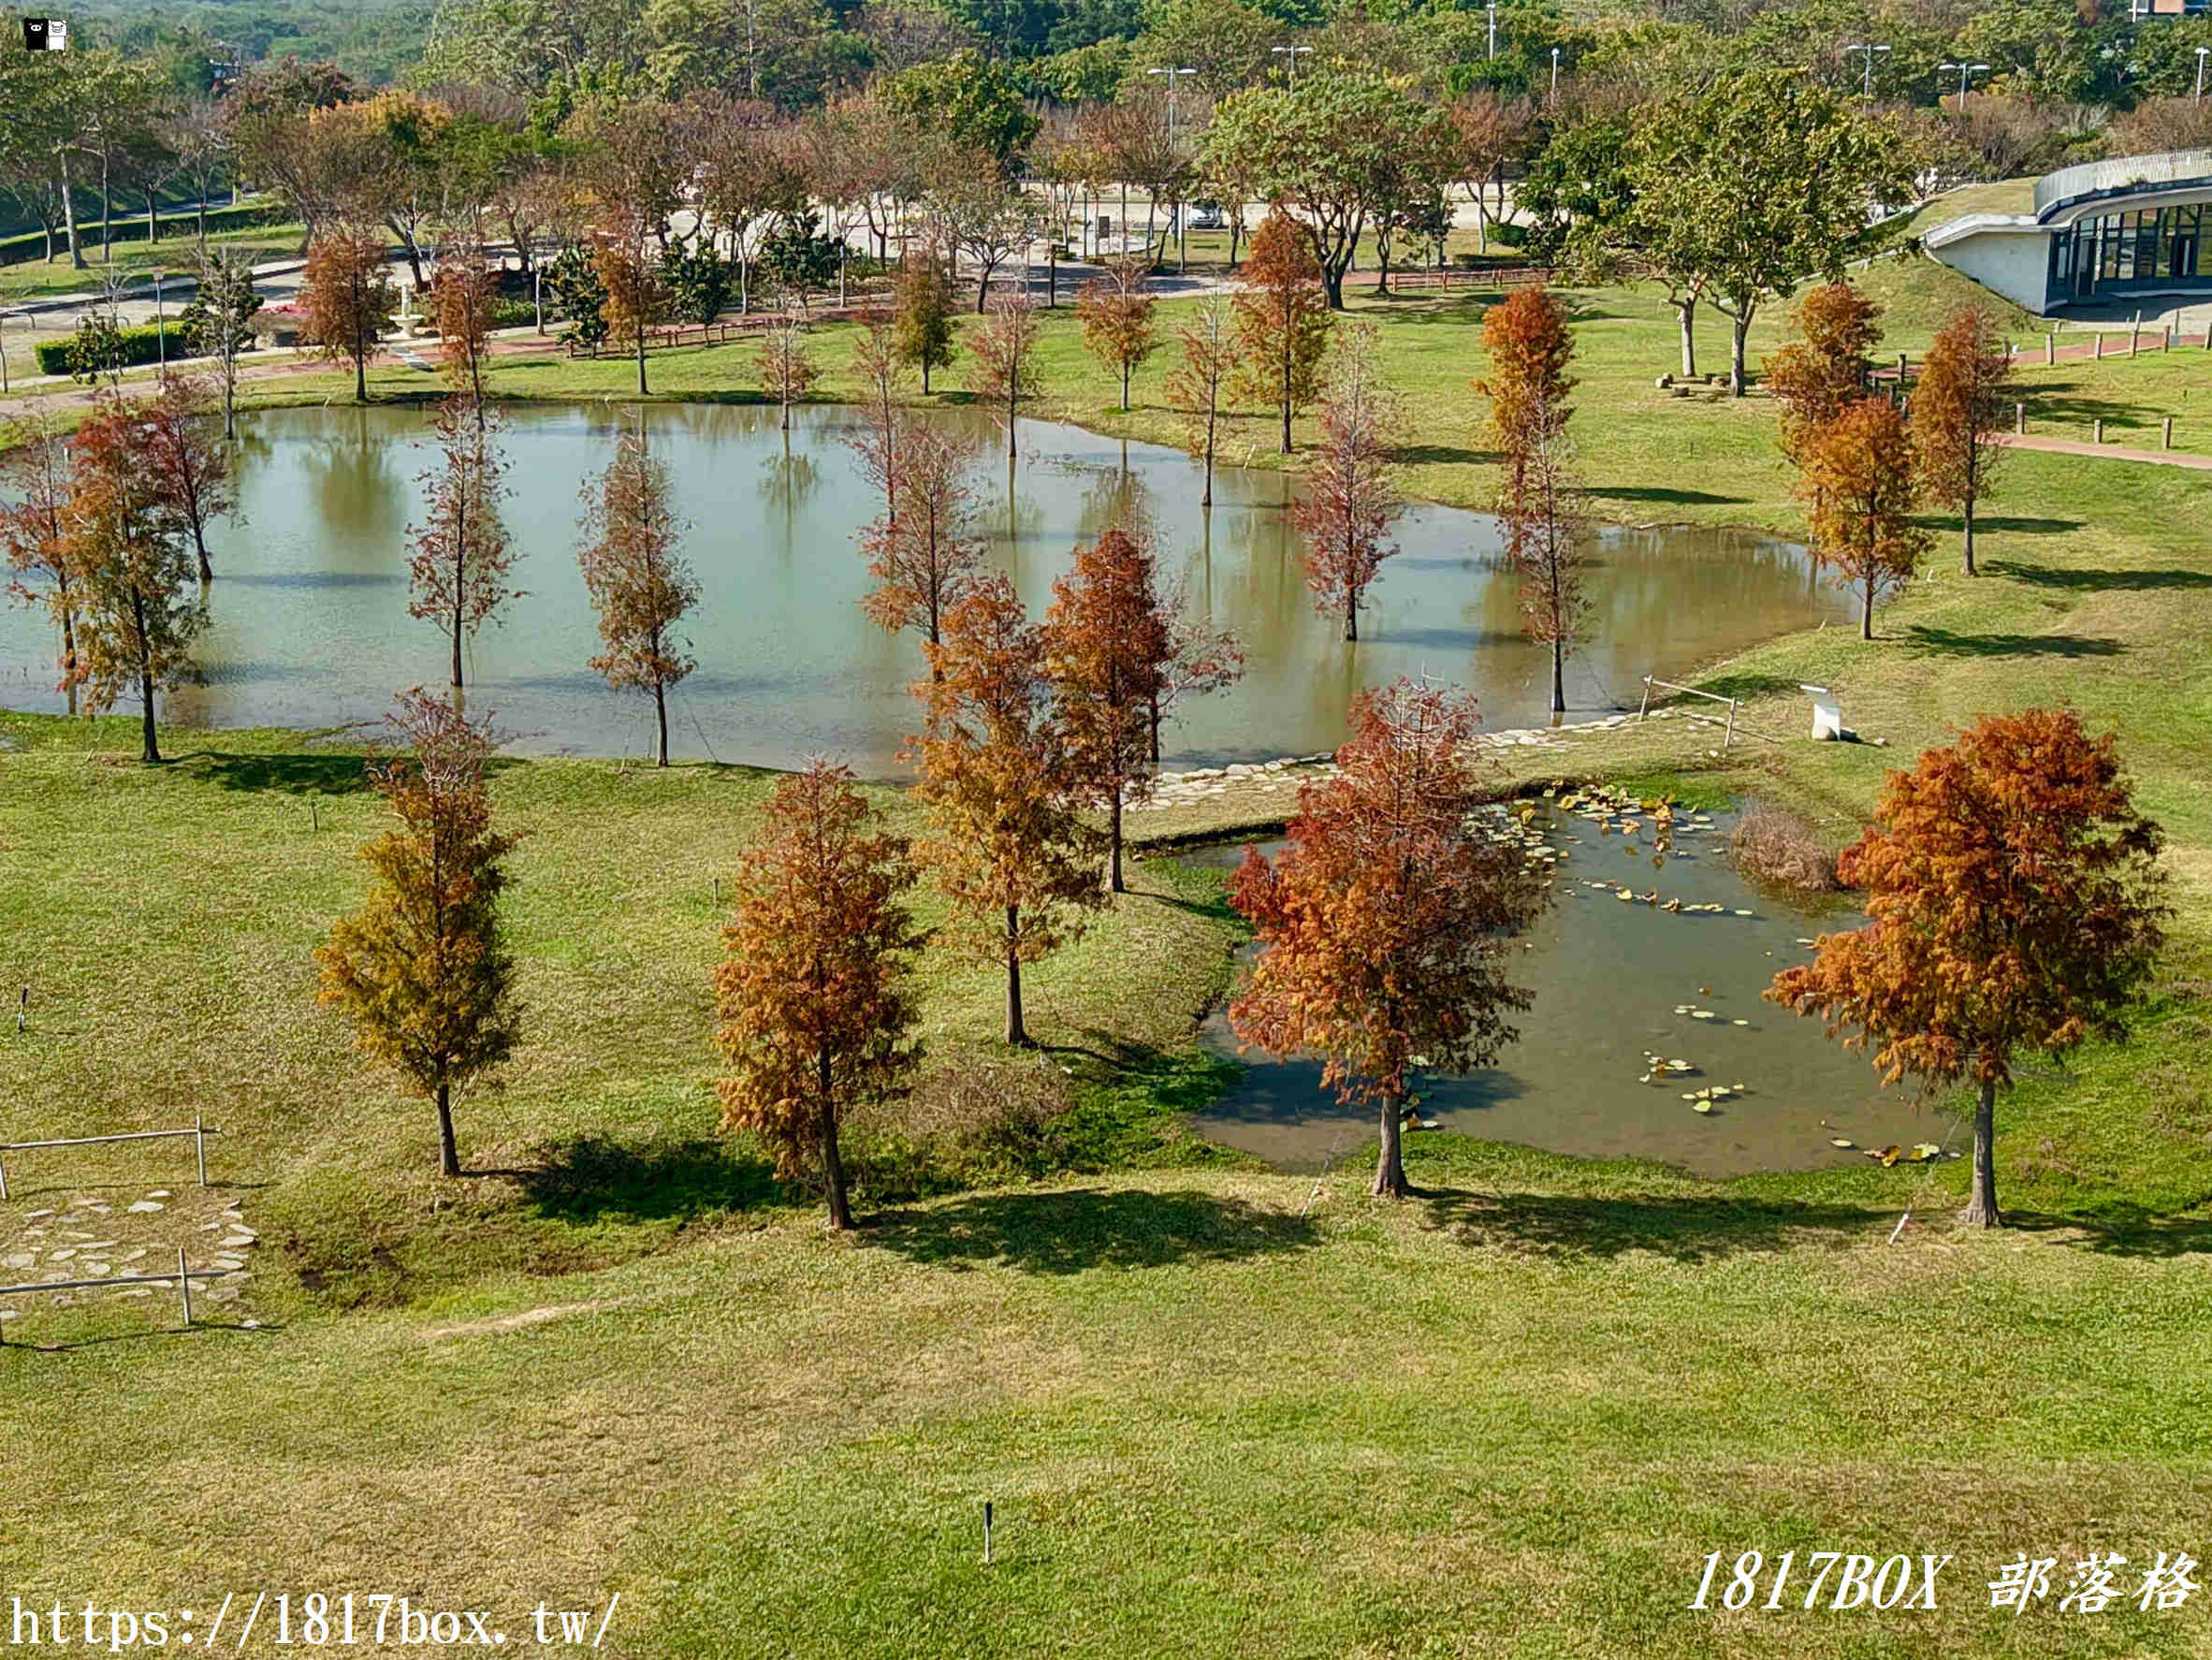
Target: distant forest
(372,40)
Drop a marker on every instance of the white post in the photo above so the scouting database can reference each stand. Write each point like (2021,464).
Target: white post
(1728,737)
(184,1284)
(199,1142)
(1645,705)
(2,1181)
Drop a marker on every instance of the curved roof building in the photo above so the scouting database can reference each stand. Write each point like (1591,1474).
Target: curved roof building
(2104,231)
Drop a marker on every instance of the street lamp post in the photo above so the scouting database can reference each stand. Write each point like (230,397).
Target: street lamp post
(161,332)
(1287,51)
(1493,31)
(1964,71)
(1555,75)
(2202,52)
(1181,218)
(1868,52)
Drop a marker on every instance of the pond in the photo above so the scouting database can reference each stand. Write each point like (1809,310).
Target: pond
(1615,983)
(309,624)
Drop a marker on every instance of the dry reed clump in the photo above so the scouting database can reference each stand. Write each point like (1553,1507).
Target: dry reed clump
(1775,848)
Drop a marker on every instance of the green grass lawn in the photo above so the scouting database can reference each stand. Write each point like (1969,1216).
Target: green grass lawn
(1219,1410)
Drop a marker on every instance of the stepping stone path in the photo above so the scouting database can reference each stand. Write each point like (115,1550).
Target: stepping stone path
(133,1237)
(145,1205)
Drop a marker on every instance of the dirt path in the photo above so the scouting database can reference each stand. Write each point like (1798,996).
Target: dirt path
(2105,452)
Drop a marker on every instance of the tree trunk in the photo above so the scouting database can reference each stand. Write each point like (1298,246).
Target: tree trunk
(982,291)
(153,219)
(1736,379)
(1558,676)
(1206,496)
(199,544)
(151,752)
(1016,1033)
(925,374)
(1286,423)
(1866,614)
(107,213)
(641,354)
(1114,882)
(1390,1163)
(229,394)
(1981,1210)
(832,1165)
(1333,280)
(1351,617)
(1687,311)
(660,711)
(69,216)
(69,655)
(448,1154)
(457,638)
(1125,388)
(361,374)
(1970,533)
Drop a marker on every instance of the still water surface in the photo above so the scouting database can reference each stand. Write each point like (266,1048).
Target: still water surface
(1606,977)
(309,623)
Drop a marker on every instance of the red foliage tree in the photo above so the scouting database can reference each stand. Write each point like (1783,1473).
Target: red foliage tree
(1529,345)
(2014,903)
(815,1016)
(461,296)
(34,495)
(422,968)
(188,460)
(457,573)
(1349,503)
(1386,921)
(924,554)
(1116,311)
(1004,351)
(1861,484)
(1958,410)
(1108,646)
(1282,319)
(1006,847)
(788,370)
(346,295)
(1818,375)
(638,582)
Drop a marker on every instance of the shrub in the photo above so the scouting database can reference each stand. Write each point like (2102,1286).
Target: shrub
(135,345)
(978,1124)
(1507,233)
(1775,848)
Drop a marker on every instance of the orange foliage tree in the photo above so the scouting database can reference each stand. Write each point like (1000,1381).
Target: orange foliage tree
(1198,385)
(1540,507)
(1004,349)
(1349,503)
(811,993)
(1006,847)
(788,370)
(1958,410)
(1818,375)
(924,553)
(2014,903)
(1385,923)
(1528,346)
(638,583)
(461,296)
(139,613)
(1107,645)
(189,461)
(33,494)
(1861,485)
(347,297)
(1116,311)
(458,575)
(1282,319)
(421,969)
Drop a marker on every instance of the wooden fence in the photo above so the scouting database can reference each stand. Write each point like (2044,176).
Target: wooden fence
(198,1132)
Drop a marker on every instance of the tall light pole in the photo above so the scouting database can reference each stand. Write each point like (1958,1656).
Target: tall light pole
(1868,52)
(161,333)
(1493,31)
(1182,231)
(2202,52)
(1288,51)
(1964,71)
(1555,75)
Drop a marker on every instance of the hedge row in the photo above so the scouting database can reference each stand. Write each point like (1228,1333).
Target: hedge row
(177,227)
(141,344)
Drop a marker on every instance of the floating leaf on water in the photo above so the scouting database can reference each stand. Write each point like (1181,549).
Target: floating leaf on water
(1888,1156)
(1924,1150)
(1624,893)
(1701,1107)
(1740,1023)
(1839,1141)
(1742,912)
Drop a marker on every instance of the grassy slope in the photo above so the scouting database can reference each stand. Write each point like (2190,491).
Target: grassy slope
(1509,1418)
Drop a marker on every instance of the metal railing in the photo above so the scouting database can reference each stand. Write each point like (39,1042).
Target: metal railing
(1645,707)
(198,1132)
(2099,178)
(184,1278)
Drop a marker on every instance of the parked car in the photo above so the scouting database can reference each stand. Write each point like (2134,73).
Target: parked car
(1206,216)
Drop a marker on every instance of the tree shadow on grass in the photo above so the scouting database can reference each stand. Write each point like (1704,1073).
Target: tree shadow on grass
(592,1179)
(339,774)
(1070,1230)
(1952,644)
(2016,526)
(1688,1229)
(1661,493)
(2081,581)
(1416,454)
(1749,686)
(2123,1230)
